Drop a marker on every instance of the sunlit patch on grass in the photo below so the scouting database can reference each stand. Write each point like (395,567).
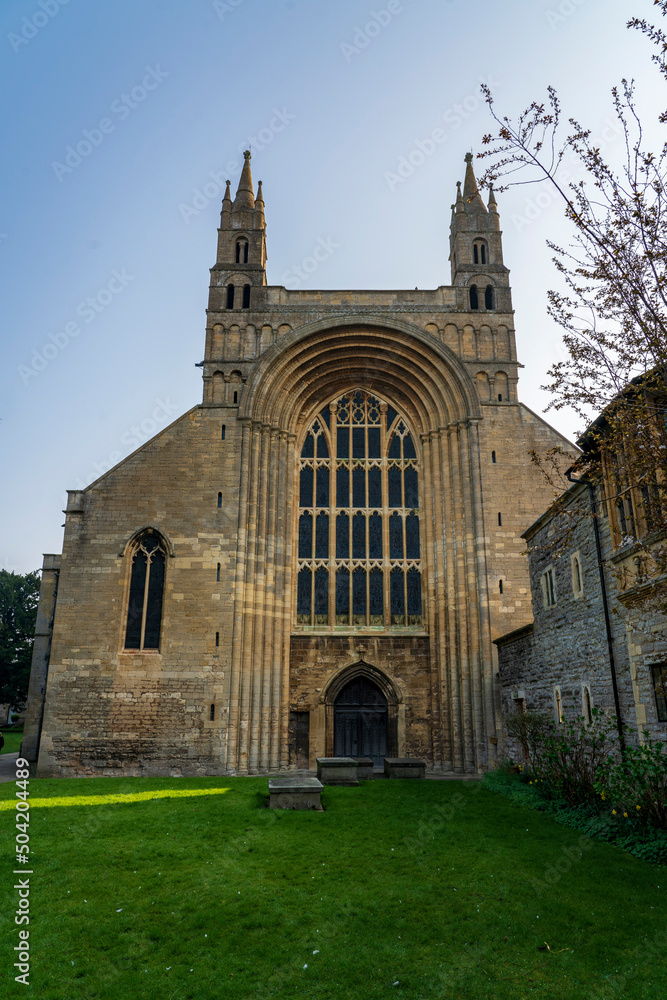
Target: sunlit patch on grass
(107,800)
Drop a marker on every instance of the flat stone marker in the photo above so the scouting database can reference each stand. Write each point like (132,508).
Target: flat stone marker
(295,793)
(337,771)
(404,767)
(365,768)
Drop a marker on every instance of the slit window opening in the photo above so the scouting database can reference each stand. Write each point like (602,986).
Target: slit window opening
(587,706)
(217,638)
(236,397)
(493,457)
(219,499)
(211,714)
(223,432)
(217,575)
(558,706)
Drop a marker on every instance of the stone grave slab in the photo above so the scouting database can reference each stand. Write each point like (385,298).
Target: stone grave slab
(337,771)
(365,768)
(295,792)
(404,767)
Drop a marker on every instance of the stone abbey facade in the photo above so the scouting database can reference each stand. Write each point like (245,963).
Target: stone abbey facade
(316,559)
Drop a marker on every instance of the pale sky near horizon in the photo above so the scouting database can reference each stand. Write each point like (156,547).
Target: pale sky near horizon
(104,253)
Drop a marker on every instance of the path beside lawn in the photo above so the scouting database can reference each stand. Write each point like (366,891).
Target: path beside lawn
(399,889)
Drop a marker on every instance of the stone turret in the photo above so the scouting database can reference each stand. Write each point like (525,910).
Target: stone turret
(241,252)
(476,250)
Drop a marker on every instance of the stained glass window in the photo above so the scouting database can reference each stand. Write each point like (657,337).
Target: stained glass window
(358,546)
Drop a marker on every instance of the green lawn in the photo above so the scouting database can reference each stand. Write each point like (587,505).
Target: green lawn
(13,739)
(399,889)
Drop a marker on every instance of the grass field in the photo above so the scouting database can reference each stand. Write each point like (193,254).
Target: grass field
(399,889)
(13,739)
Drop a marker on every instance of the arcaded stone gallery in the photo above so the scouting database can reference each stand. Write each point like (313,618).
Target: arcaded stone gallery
(315,560)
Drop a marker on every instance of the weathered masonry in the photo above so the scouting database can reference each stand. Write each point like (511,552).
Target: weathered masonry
(316,559)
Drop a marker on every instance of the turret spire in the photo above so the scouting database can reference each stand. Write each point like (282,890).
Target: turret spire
(476,252)
(471,194)
(226,212)
(245,197)
(259,205)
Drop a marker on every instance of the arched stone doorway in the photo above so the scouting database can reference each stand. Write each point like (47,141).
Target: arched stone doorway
(361,721)
(363,714)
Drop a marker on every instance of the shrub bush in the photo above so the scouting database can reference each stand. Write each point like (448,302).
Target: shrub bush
(637,785)
(529,730)
(572,758)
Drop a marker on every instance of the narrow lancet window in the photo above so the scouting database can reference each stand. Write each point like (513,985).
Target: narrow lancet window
(144,613)
(488,297)
(230,296)
(246,296)
(474,299)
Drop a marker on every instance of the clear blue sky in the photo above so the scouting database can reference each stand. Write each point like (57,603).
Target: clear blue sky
(164,95)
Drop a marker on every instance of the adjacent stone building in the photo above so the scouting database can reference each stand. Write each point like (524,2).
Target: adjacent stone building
(599,634)
(317,558)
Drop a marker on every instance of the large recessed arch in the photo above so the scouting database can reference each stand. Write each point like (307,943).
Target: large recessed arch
(312,364)
(421,377)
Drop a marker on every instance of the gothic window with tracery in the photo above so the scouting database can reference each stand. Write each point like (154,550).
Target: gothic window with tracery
(358,545)
(144,611)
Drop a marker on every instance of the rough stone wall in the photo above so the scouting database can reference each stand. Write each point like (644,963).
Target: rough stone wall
(114,711)
(567,646)
(513,488)
(643,613)
(315,660)
(40,656)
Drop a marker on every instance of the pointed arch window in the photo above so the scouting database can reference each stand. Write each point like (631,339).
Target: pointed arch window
(144,611)
(358,549)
